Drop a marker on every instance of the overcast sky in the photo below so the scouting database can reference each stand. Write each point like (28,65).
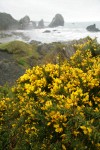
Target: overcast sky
(72,10)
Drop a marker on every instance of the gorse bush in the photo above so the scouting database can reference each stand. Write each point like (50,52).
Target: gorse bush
(55,107)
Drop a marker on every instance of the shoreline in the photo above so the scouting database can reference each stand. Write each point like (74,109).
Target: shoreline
(17,56)
(44,37)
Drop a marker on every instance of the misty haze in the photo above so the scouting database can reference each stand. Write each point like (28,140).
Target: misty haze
(31,21)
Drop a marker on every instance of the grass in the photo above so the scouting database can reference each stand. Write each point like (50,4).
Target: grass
(21,51)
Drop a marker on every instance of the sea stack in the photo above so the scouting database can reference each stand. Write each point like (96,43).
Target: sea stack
(58,20)
(92,28)
(24,22)
(41,24)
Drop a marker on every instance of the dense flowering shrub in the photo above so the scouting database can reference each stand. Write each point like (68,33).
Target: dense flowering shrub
(55,107)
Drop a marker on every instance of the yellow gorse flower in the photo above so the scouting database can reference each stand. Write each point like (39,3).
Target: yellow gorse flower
(58,102)
(86,130)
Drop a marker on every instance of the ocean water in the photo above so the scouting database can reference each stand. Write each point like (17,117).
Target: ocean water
(70,31)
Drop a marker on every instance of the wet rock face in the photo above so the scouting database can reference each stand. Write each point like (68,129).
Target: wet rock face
(33,24)
(92,28)
(58,20)
(24,22)
(47,31)
(10,71)
(8,22)
(41,24)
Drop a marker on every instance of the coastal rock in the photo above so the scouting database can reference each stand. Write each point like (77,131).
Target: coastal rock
(35,42)
(24,22)
(5,35)
(33,24)
(7,22)
(58,20)
(20,35)
(92,28)
(54,30)
(41,24)
(10,71)
(47,31)
(17,56)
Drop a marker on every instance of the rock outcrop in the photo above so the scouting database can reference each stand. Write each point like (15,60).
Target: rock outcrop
(33,24)
(10,71)
(58,20)
(7,22)
(24,22)
(17,56)
(41,24)
(47,31)
(92,28)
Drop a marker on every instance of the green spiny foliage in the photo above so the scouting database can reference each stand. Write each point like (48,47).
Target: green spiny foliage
(52,108)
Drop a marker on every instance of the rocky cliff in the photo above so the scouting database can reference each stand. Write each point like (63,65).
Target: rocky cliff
(8,22)
(58,20)
(24,22)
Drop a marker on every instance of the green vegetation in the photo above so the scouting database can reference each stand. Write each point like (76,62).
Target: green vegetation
(21,51)
(17,47)
(54,106)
